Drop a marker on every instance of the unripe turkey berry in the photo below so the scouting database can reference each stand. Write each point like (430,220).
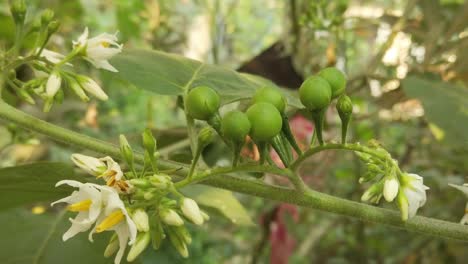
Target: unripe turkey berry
(336,79)
(315,93)
(202,102)
(235,126)
(272,96)
(266,121)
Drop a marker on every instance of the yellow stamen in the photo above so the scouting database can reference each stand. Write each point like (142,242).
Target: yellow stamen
(38,209)
(105,44)
(111,181)
(110,221)
(80,206)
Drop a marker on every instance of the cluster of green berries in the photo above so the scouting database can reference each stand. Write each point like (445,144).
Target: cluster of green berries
(265,120)
(316,94)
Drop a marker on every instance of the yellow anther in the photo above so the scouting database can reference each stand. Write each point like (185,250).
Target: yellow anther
(105,44)
(110,221)
(38,209)
(80,206)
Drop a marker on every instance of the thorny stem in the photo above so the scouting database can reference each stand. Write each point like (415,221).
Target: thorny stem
(308,198)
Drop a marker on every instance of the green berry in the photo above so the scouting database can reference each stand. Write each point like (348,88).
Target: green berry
(272,96)
(202,102)
(315,93)
(266,121)
(336,79)
(235,126)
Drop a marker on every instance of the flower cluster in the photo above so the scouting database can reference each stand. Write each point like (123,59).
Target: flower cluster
(97,50)
(138,207)
(406,189)
(52,69)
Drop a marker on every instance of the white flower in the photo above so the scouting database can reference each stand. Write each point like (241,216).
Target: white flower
(53,84)
(87,201)
(92,87)
(190,210)
(99,49)
(105,168)
(464,189)
(170,217)
(390,190)
(114,217)
(415,191)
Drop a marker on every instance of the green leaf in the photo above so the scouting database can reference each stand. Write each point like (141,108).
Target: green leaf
(30,238)
(445,106)
(221,200)
(170,74)
(35,182)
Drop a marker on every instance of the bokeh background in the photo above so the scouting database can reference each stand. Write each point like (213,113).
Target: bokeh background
(407,68)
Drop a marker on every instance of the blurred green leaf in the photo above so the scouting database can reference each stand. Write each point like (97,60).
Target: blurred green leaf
(32,183)
(5,137)
(31,238)
(170,74)
(445,105)
(221,200)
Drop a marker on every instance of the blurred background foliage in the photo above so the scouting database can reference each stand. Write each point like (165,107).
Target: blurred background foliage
(407,66)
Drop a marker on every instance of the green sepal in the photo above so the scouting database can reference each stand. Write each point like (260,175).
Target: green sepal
(286,129)
(156,232)
(319,117)
(280,147)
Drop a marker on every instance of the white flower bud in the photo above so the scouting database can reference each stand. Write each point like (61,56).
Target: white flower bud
(140,217)
(170,217)
(112,246)
(92,87)
(190,210)
(91,165)
(390,190)
(142,241)
(53,84)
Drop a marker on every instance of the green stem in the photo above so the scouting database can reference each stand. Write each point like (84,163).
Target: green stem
(352,147)
(312,199)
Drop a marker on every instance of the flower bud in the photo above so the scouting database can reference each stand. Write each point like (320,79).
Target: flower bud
(23,94)
(76,88)
(18,11)
(374,193)
(53,84)
(90,164)
(190,210)
(160,181)
(344,107)
(91,87)
(157,232)
(178,242)
(52,27)
(149,142)
(126,151)
(140,217)
(149,195)
(140,183)
(47,16)
(183,234)
(170,217)
(390,190)
(112,246)
(141,242)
